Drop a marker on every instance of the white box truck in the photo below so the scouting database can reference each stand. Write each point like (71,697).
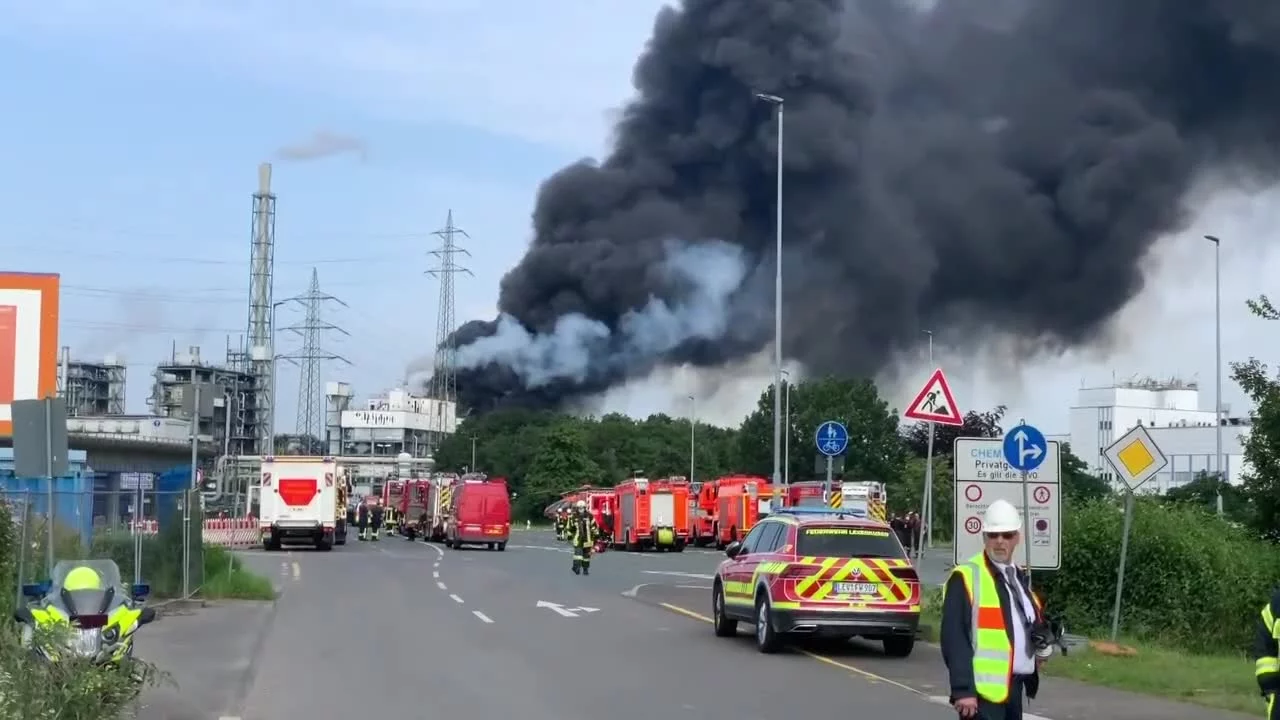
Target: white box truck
(298,498)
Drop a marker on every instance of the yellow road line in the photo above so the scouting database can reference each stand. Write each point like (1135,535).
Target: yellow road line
(820,658)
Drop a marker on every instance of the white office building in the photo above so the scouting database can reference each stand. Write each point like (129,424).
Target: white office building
(1171,411)
(387,425)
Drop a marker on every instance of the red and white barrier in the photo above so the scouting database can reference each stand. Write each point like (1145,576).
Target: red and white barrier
(227,532)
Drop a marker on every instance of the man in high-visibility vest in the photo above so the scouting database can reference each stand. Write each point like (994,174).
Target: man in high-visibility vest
(988,618)
(582,535)
(1266,648)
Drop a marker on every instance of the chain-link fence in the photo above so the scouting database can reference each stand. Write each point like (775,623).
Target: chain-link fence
(155,536)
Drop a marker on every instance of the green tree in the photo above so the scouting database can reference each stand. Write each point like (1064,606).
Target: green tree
(1078,484)
(876,451)
(562,462)
(1203,491)
(976,425)
(1262,446)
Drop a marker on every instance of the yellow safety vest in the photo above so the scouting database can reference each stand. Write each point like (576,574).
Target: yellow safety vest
(1266,665)
(992,648)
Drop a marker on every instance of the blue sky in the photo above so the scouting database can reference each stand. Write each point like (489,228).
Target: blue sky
(132,138)
(132,133)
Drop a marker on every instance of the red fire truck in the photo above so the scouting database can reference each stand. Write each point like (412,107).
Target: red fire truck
(737,507)
(702,513)
(651,514)
(807,493)
(392,494)
(415,509)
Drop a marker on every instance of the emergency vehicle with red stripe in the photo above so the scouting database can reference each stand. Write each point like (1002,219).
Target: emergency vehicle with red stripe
(297,497)
(818,572)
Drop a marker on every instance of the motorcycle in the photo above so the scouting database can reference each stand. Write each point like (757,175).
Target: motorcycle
(96,623)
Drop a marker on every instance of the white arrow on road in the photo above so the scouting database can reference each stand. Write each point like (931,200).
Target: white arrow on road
(566,611)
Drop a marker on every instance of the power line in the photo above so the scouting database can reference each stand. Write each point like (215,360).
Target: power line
(310,357)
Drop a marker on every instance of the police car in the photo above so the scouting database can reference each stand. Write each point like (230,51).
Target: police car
(818,572)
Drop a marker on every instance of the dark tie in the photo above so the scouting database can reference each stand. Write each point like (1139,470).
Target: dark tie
(1015,598)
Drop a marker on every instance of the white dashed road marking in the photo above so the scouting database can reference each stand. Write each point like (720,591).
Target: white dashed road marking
(483,618)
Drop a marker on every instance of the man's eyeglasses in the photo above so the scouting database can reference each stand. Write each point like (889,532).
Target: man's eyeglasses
(1002,536)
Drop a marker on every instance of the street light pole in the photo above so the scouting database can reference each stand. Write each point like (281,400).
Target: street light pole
(786,442)
(1217,361)
(473,453)
(693,421)
(777,102)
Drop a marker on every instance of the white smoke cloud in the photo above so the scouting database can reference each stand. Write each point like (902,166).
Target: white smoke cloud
(713,269)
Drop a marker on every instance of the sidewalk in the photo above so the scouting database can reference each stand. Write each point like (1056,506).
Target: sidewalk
(924,672)
(1059,698)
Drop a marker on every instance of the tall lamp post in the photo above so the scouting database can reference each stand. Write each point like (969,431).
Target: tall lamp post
(693,421)
(786,442)
(1217,361)
(778,103)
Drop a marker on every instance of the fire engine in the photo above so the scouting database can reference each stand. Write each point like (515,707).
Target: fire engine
(702,513)
(651,514)
(415,509)
(392,493)
(440,499)
(738,500)
(866,499)
(807,494)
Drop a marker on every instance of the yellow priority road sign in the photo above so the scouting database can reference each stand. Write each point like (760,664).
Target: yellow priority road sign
(1135,457)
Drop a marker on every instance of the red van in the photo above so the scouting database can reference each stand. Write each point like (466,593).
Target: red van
(480,513)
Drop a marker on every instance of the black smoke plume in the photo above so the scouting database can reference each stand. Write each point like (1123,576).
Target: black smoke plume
(981,165)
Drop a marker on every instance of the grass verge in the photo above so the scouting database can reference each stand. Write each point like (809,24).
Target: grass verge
(1223,682)
(226,578)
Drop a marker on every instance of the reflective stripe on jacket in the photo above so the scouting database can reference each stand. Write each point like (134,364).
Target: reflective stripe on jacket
(992,644)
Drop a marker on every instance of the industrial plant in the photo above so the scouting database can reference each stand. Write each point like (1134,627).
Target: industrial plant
(225,407)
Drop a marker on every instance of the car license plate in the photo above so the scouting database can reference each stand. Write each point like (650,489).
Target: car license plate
(855,588)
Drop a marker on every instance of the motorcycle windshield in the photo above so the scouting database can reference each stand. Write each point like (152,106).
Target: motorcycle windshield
(86,602)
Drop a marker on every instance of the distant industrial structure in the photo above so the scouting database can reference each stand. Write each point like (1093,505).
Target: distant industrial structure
(92,388)
(230,406)
(221,399)
(1172,412)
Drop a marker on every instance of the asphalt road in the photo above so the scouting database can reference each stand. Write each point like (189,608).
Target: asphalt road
(409,630)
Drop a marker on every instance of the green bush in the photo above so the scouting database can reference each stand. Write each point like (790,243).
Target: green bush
(32,689)
(1191,581)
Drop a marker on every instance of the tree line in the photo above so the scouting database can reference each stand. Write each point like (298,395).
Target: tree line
(543,454)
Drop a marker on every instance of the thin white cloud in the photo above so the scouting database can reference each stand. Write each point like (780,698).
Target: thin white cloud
(548,72)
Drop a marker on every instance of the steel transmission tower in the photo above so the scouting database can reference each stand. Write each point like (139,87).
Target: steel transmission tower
(310,356)
(444,377)
(261,333)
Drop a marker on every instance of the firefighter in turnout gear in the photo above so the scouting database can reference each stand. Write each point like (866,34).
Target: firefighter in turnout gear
(375,522)
(582,535)
(362,520)
(1266,648)
(562,525)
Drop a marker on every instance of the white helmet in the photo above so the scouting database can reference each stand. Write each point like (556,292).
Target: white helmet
(1001,516)
(581,504)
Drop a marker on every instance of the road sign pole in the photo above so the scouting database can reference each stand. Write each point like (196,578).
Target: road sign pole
(1026,525)
(926,500)
(137,534)
(1124,556)
(826,487)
